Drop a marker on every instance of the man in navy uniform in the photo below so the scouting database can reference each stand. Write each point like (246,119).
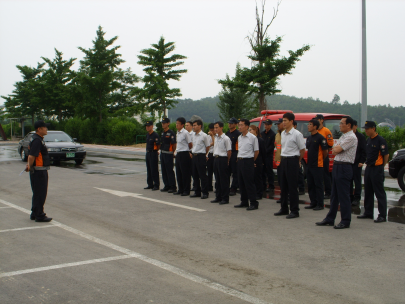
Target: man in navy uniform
(317,150)
(152,160)
(301,179)
(167,148)
(38,165)
(183,158)
(269,138)
(248,151)
(377,158)
(233,134)
(358,166)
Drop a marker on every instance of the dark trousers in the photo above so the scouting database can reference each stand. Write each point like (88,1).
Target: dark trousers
(301,181)
(374,184)
(259,179)
(315,186)
(210,170)
(357,182)
(233,170)
(183,171)
(246,172)
(166,163)
(279,175)
(341,177)
(326,176)
(152,169)
(268,174)
(39,186)
(289,184)
(221,178)
(200,173)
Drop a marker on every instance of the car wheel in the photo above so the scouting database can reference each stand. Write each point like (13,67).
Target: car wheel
(23,155)
(79,161)
(401,178)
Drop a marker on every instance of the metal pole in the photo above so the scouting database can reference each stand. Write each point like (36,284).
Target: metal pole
(363,66)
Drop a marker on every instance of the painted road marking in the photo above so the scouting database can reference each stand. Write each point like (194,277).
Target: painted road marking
(117,168)
(26,228)
(140,196)
(157,263)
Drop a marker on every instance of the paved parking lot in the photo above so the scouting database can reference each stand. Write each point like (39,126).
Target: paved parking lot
(113,242)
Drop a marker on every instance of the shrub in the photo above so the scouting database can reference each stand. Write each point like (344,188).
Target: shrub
(122,133)
(73,126)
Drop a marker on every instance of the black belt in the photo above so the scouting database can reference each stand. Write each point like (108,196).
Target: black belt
(336,162)
(195,154)
(295,156)
(166,152)
(373,165)
(183,152)
(245,157)
(148,151)
(217,156)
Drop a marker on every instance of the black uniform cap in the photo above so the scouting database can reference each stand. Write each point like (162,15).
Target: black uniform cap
(40,123)
(165,120)
(149,123)
(318,116)
(369,124)
(268,122)
(233,120)
(279,121)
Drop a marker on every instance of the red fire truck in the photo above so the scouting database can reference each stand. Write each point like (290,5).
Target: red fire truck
(331,121)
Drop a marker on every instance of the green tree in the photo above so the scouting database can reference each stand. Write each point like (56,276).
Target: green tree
(267,65)
(27,97)
(159,68)
(102,86)
(58,86)
(335,100)
(235,102)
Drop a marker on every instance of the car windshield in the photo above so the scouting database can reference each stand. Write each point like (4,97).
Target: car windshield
(57,137)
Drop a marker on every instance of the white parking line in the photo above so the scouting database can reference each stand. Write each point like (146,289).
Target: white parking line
(26,228)
(116,168)
(130,253)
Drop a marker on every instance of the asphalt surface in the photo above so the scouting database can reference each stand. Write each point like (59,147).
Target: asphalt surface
(113,242)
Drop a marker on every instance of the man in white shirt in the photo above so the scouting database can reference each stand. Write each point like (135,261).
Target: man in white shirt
(183,158)
(189,128)
(210,156)
(222,156)
(248,150)
(201,146)
(293,150)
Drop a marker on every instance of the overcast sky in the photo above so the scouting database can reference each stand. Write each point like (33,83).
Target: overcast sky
(211,33)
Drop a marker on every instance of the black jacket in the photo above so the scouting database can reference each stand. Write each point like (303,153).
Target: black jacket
(260,160)
(269,139)
(361,149)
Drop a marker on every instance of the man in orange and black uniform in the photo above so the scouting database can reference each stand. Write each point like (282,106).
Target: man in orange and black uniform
(325,132)
(168,146)
(38,166)
(233,134)
(269,138)
(377,158)
(152,160)
(317,151)
(355,194)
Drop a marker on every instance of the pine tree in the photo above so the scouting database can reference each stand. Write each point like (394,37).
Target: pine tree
(159,68)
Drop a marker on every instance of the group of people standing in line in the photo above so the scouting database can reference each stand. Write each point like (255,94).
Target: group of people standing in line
(247,155)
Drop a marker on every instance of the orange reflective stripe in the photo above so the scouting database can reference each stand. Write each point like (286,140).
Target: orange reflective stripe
(236,146)
(39,162)
(379,160)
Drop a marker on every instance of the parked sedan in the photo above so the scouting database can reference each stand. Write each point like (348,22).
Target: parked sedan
(60,147)
(397,167)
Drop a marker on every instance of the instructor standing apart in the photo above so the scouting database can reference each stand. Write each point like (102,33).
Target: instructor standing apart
(342,174)
(248,150)
(38,166)
(152,160)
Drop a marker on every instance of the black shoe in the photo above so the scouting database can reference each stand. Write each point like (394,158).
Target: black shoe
(301,192)
(165,189)
(380,219)
(204,196)
(327,196)
(356,202)
(281,212)
(45,219)
(32,217)
(224,202)
(317,208)
(341,226)
(241,205)
(258,198)
(171,191)
(292,215)
(365,216)
(185,194)
(195,195)
(252,207)
(146,188)
(278,202)
(177,193)
(193,189)
(232,192)
(310,207)
(216,201)
(325,223)
(155,188)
